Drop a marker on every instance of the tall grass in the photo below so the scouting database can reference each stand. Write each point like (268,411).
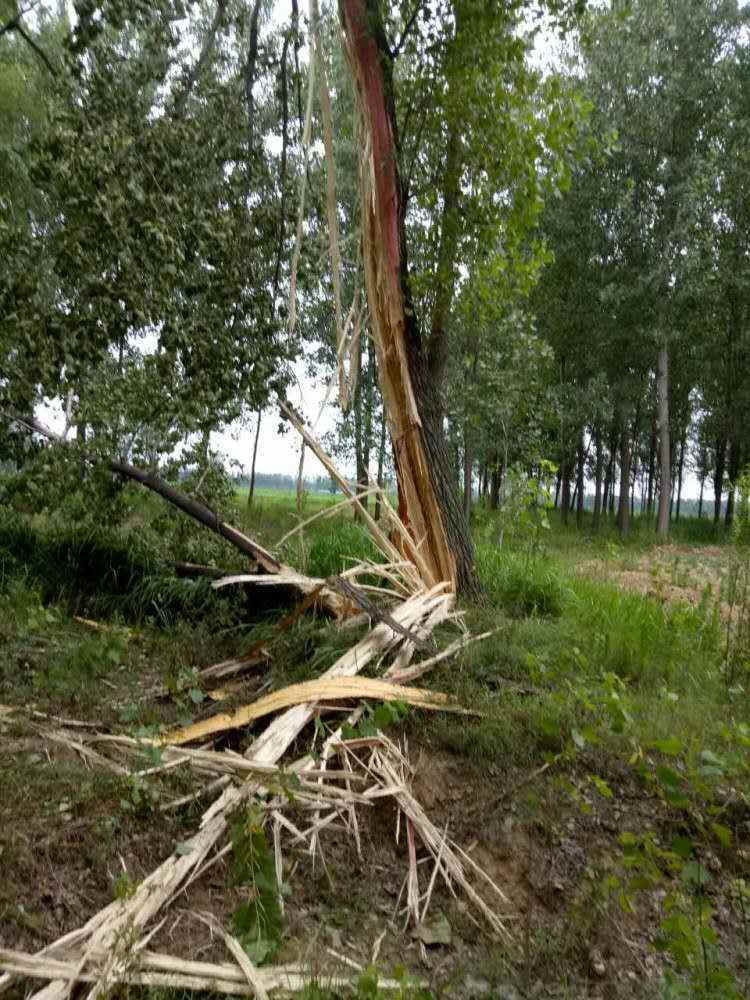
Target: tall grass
(522,585)
(637,637)
(100,571)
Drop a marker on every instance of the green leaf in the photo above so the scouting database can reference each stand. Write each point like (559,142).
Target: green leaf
(695,873)
(682,847)
(671,746)
(722,833)
(667,777)
(601,786)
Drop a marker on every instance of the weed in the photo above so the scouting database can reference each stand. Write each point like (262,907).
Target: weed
(521,585)
(258,922)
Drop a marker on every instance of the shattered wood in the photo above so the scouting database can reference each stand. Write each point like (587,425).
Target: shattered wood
(111,948)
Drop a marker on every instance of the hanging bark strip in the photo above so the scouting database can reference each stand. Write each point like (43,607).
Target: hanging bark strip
(426,496)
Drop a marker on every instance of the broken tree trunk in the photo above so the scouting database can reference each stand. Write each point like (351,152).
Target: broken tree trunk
(428,503)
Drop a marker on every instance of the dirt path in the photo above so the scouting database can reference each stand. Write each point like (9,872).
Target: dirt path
(692,575)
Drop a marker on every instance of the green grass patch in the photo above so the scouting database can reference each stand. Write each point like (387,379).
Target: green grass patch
(521,585)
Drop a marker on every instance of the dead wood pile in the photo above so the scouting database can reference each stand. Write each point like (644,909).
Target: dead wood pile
(331,787)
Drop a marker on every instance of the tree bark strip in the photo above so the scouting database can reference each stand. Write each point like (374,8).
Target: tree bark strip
(381,463)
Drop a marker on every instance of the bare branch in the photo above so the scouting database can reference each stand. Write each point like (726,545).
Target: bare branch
(205,53)
(407,29)
(15,25)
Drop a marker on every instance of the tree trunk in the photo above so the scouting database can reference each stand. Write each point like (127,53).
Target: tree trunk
(251,490)
(623,510)
(300,480)
(662,393)
(680,468)
(579,482)
(468,469)
(651,463)
(721,453)
(381,462)
(734,472)
(609,479)
(607,484)
(495,484)
(565,482)
(557,486)
(700,498)
(598,478)
(427,497)
(729,512)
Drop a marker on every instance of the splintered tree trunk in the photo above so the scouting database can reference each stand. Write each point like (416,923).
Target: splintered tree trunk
(662,393)
(428,501)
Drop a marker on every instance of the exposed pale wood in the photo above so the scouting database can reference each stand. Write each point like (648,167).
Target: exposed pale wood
(227,668)
(282,730)
(401,676)
(382,231)
(325,512)
(317,690)
(175,973)
(386,546)
(306,585)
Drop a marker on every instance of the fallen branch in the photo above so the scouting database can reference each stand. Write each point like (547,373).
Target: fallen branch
(169,972)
